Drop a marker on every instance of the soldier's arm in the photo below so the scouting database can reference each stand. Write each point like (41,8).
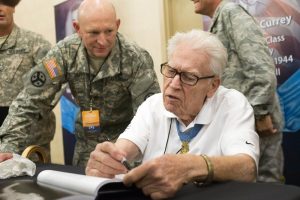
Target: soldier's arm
(32,103)
(257,65)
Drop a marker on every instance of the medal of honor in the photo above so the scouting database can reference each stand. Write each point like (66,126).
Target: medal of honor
(187,136)
(184,147)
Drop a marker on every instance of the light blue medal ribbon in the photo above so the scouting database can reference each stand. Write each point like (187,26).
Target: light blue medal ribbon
(186,137)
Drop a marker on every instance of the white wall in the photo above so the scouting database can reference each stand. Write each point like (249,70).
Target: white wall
(38,16)
(180,16)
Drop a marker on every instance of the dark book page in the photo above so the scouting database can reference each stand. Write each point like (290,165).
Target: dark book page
(116,191)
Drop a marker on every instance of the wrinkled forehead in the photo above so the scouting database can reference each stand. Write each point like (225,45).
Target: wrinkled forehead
(188,59)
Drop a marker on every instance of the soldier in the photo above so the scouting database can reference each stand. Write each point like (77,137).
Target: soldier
(250,70)
(108,76)
(20,50)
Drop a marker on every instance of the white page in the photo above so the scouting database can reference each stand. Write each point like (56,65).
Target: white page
(77,183)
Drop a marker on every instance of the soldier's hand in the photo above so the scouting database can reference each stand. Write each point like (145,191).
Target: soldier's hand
(264,126)
(105,161)
(5,156)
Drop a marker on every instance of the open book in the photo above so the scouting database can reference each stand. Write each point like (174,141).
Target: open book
(75,183)
(96,187)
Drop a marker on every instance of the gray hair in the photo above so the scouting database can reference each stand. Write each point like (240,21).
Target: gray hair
(202,42)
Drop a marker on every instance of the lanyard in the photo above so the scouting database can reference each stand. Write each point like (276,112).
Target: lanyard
(88,84)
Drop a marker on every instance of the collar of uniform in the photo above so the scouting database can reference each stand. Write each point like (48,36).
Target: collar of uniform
(217,13)
(112,64)
(205,115)
(12,38)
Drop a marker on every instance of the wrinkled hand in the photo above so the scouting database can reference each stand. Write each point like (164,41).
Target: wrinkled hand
(5,156)
(105,160)
(264,126)
(160,178)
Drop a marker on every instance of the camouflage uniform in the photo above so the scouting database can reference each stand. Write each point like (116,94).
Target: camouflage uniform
(124,81)
(20,52)
(251,70)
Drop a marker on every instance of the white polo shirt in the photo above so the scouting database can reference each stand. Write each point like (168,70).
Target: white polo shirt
(228,127)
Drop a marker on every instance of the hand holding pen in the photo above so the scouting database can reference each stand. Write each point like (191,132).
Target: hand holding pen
(126,163)
(106,161)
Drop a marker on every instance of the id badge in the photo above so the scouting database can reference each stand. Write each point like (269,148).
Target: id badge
(91,121)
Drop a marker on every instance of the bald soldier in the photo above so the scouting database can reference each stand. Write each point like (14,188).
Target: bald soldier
(109,78)
(20,50)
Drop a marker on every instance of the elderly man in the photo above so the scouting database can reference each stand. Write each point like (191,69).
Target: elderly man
(20,50)
(196,130)
(250,70)
(109,78)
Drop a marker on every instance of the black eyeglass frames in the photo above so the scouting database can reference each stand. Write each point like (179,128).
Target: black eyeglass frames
(185,77)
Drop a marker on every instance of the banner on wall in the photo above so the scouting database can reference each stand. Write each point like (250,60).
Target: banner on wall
(65,13)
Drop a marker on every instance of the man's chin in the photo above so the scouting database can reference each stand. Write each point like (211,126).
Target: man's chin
(100,55)
(171,108)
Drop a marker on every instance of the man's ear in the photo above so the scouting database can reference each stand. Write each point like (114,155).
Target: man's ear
(118,22)
(215,83)
(76,26)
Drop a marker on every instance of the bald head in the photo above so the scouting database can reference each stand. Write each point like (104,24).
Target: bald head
(97,26)
(90,8)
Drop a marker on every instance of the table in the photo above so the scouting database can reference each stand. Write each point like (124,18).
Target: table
(27,188)
(216,191)
(240,191)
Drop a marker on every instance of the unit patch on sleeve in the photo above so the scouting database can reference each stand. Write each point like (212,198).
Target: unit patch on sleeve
(38,79)
(52,68)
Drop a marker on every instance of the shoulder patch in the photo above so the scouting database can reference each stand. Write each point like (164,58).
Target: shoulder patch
(38,79)
(52,68)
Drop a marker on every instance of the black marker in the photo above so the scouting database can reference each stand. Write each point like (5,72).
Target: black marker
(126,163)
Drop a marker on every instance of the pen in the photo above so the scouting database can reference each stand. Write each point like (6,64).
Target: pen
(126,163)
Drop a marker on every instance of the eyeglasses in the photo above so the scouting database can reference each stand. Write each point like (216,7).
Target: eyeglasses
(185,77)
